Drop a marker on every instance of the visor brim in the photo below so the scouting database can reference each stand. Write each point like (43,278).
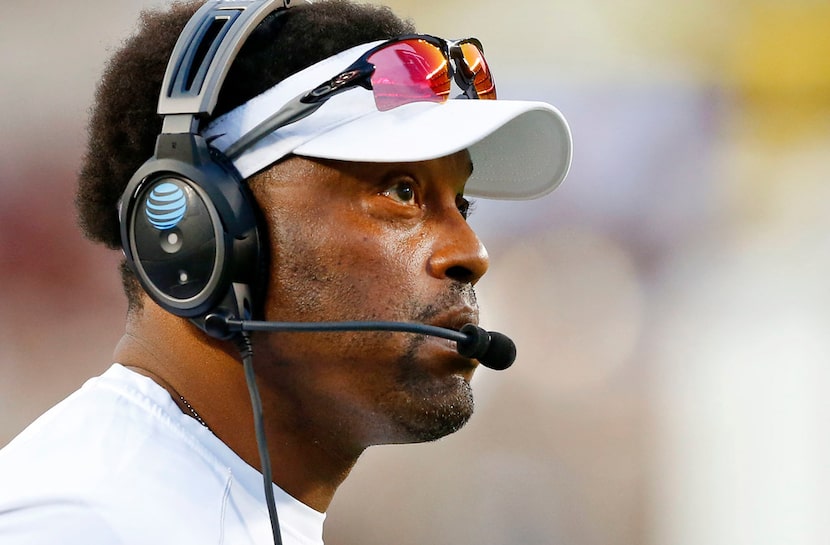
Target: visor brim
(520,150)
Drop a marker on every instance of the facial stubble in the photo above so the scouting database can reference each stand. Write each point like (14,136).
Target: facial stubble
(426,407)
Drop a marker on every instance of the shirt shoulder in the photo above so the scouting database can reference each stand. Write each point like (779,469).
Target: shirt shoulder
(112,455)
(118,462)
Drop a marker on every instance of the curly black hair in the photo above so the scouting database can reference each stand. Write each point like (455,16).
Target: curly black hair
(124,124)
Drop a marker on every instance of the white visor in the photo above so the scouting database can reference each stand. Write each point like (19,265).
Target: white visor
(519,149)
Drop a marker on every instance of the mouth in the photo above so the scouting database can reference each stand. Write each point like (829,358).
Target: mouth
(456,318)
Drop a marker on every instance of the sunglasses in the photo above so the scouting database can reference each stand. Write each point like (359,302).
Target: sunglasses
(403,70)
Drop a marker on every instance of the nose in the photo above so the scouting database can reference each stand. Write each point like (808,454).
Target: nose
(458,254)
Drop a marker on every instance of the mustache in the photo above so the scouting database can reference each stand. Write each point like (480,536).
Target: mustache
(458,295)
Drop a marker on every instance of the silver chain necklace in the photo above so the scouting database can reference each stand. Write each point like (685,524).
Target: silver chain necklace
(193,412)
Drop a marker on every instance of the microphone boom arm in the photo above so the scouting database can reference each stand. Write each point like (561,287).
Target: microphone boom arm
(254,325)
(492,349)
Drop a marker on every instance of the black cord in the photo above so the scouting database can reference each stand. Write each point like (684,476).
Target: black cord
(423,329)
(246,351)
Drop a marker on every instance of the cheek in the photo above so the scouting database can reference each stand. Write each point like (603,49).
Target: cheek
(352,271)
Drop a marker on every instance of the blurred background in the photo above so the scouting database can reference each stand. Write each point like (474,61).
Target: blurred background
(670,301)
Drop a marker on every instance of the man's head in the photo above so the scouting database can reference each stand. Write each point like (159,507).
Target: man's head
(362,207)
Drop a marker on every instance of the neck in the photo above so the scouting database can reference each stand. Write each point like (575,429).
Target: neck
(210,376)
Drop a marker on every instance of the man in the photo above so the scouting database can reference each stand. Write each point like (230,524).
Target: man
(356,165)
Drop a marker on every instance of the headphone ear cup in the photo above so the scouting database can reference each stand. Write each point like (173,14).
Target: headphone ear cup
(190,233)
(176,244)
(188,221)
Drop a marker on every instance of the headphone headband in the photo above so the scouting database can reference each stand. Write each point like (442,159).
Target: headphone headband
(204,52)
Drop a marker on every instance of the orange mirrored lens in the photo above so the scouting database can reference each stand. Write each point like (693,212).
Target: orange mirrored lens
(479,72)
(409,71)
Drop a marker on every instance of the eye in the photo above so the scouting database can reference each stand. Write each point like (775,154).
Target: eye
(402,191)
(464,205)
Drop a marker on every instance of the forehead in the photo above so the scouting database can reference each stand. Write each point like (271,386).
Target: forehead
(450,171)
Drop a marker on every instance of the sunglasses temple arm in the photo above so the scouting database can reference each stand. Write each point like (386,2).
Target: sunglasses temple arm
(290,113)
(468,92)
(462,75)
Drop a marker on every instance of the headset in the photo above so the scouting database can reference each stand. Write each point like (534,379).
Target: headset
(190,228)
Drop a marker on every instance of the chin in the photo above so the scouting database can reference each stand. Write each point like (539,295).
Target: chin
(428,413)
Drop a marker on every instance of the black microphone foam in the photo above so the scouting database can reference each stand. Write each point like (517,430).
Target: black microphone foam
(502,352)
(491,348)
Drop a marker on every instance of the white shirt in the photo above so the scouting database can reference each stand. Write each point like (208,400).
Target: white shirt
(117,462)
